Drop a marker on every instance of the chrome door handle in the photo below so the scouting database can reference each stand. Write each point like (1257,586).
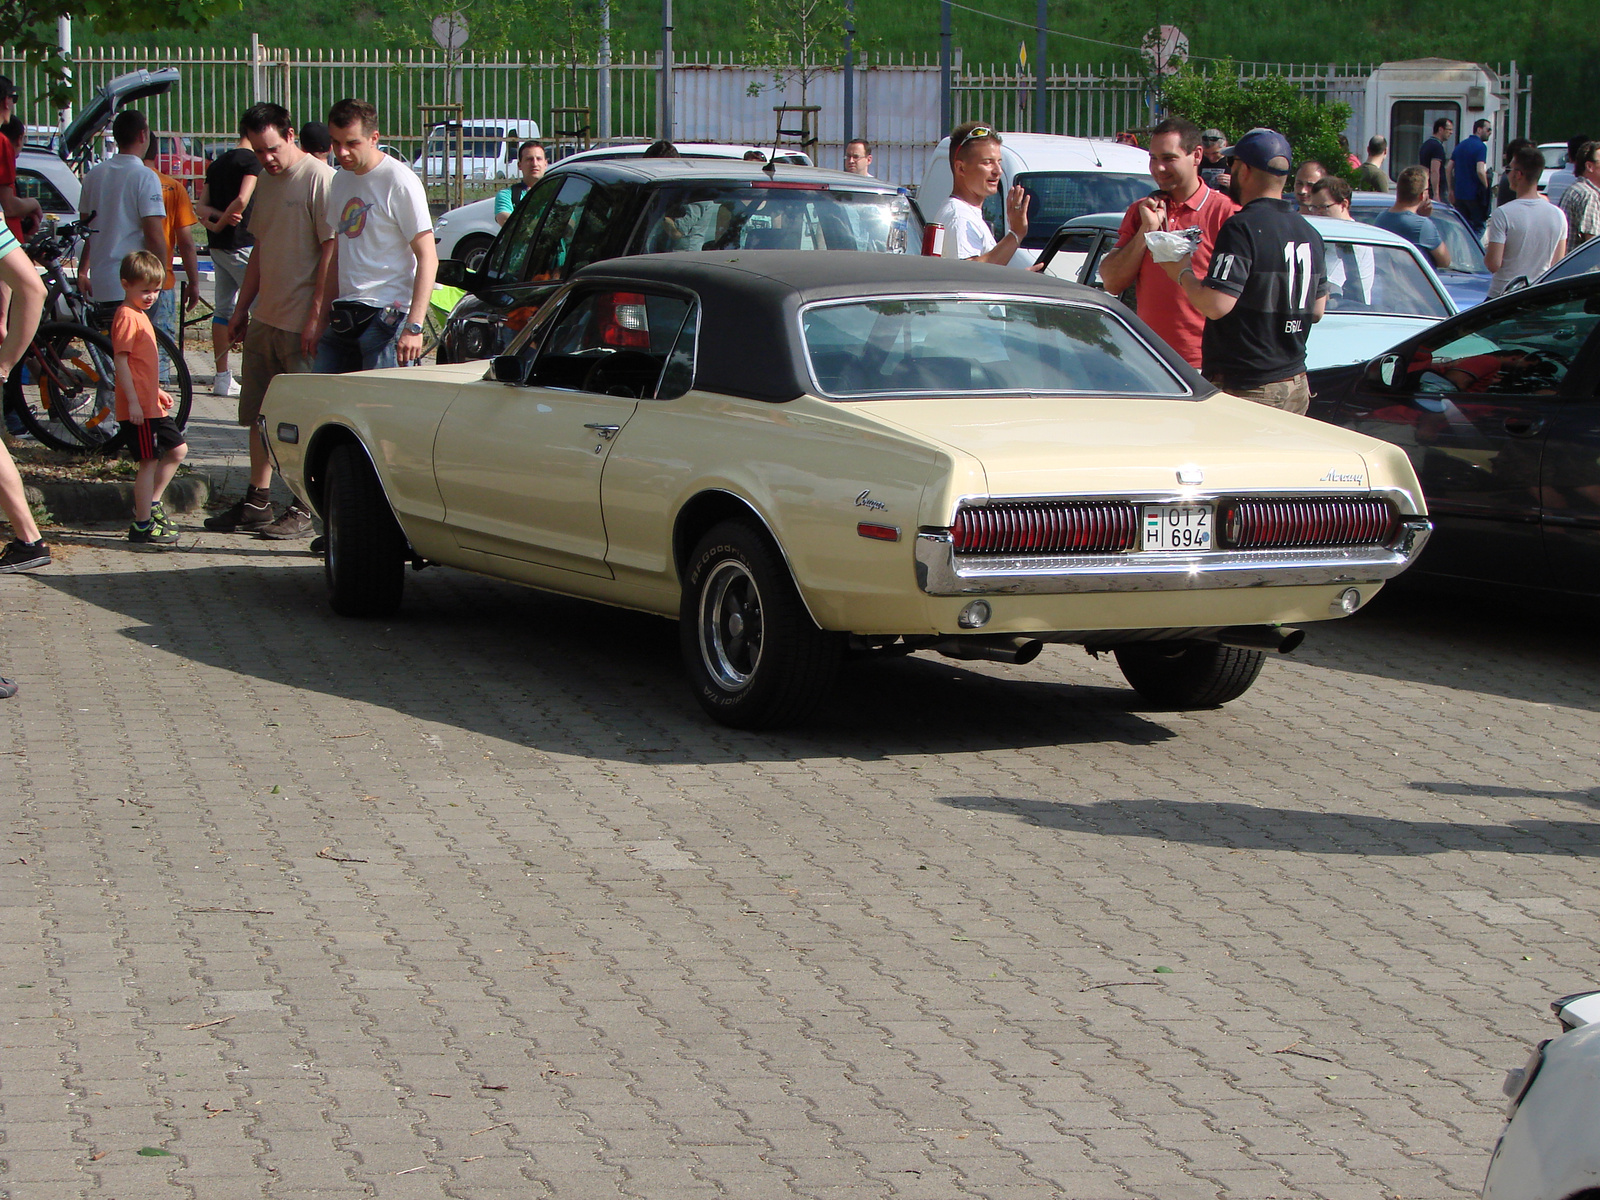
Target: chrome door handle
(606,431)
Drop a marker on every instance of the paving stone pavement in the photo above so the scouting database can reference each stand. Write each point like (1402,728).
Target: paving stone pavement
(473,903)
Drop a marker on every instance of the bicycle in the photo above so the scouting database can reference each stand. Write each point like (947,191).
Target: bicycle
(71,363)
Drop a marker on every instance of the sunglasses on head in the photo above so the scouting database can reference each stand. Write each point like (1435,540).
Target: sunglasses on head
(976,134)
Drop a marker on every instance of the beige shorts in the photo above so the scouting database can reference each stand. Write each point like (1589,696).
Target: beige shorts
(268,351)
(1291,395)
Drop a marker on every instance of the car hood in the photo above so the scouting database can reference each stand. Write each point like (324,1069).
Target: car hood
(1341,338)
(100,108)
(1051,446)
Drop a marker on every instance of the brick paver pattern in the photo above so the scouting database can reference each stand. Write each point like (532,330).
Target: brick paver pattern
(473,903)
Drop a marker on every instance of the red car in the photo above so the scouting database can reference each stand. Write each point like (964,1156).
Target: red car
(173,157)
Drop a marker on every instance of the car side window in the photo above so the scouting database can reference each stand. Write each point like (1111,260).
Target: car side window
(548,251)
(1524,352)
(510,249)
(618,343)
(33,186)
(594,226)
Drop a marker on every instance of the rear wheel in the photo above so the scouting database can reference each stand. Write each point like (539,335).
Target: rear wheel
(1189,674)
(754,656)
(67,386)
(366,551)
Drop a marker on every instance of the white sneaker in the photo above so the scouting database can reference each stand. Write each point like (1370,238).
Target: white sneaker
(225,384)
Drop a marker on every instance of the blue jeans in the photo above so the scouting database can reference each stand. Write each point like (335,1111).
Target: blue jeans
(164,316)
(369,350)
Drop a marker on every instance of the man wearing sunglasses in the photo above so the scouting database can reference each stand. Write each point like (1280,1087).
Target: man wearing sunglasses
(976,175)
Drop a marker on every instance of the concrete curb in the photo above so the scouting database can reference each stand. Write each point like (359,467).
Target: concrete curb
(72,502)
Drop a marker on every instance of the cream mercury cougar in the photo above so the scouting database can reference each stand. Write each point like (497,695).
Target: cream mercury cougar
(802,456)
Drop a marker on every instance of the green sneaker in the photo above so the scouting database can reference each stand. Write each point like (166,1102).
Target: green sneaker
(158,516)
(151,533)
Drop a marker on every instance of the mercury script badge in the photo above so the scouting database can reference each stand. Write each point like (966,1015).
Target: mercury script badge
(1190,473)
(1337,476)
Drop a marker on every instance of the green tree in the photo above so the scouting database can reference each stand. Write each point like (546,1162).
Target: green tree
(29,26)
(1219,97)
(569,30)
(796,39)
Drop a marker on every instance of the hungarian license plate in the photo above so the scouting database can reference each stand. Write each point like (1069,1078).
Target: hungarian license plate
(1177,526)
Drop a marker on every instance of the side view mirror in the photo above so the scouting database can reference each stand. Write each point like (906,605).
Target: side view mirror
(1386,371)
(508,368)
(452,273)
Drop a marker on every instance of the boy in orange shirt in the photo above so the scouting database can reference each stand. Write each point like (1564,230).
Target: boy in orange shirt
(141,400)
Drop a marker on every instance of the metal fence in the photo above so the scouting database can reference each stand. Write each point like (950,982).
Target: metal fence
(896,107)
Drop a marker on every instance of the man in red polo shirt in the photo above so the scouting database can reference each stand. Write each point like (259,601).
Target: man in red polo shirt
(1183,202)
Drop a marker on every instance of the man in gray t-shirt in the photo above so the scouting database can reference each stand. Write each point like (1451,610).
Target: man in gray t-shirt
(1410,217)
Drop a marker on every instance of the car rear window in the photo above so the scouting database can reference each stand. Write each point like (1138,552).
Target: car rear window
(957,346)
(1379,279)
(739,216)
(1055,197)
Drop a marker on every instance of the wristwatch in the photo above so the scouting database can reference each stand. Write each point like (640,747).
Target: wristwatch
(413,328)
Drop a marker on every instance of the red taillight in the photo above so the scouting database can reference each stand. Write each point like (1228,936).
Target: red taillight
(623,322)
(1084,527)
(1288,522)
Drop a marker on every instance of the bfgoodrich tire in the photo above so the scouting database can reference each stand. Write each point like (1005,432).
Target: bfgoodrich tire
(1189,674)
(754,656)
(366,551)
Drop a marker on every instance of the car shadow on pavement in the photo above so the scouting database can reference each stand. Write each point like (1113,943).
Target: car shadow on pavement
(549,672)
(1233,826)
(1527,650)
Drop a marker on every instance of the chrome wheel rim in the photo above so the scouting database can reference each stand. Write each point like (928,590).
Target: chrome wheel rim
(731,626)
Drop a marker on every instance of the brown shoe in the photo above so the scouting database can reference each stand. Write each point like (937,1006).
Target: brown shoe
(295,523)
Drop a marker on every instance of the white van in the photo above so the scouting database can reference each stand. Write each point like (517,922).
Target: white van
(488,149)
(1064,177)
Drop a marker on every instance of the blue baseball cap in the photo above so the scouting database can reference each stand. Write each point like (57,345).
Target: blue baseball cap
(1265,150)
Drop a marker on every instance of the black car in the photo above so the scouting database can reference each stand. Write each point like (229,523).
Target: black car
(608,208)
(1497,408)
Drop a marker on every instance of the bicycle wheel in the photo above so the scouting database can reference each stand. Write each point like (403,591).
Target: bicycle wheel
(174,373)
(69,386)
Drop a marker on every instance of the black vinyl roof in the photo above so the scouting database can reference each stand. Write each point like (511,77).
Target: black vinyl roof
(749,340)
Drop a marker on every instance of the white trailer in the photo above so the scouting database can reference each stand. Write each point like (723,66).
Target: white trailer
(1403,99)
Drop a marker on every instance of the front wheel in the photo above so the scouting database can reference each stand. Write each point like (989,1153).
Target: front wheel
(754,656)
(1189,674)
(473,250)
(366,550)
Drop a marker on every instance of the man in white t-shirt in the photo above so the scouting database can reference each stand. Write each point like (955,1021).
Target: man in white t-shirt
(124,197)
(1527,235)
(976,175)
(384,251)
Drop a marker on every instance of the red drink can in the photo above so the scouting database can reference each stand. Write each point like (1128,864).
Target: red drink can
(932,241)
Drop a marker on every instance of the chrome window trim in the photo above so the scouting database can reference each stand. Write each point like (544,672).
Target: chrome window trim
(1187,393)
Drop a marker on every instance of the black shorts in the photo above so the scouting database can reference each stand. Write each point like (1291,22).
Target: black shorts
(155,437)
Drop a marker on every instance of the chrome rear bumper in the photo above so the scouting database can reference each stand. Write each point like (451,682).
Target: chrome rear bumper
(942,572)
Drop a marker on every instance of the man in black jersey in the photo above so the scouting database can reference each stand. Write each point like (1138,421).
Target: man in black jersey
(1266,286)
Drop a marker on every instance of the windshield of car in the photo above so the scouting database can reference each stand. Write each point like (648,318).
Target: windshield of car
(739,216)
(1379,279)
(1055,197)
(1555,157)
(477,141)
(1465,253)
(954,346)
(1584,259)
